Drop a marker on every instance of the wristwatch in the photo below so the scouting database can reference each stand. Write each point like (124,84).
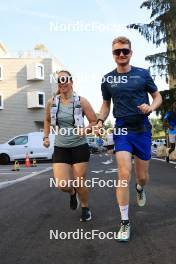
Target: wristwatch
(44,138)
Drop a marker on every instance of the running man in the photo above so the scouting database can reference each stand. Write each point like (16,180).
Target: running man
(170,122)
(128,87)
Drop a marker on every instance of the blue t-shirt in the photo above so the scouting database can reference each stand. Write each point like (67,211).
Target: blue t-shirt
(127,90)
(171,119)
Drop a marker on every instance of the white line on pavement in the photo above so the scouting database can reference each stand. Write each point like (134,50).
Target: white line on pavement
(6,173)
(172,162)
(23,168)
(97,171)
(24,178)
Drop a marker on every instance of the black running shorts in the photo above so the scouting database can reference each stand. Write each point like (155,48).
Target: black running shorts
(71,155)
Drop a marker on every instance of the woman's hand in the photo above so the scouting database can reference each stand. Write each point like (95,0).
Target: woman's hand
(46,143)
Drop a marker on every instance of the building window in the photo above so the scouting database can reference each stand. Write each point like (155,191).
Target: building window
(40,71)
(35,72)
(1,101)
(41,99)
(1,72)
(36,99)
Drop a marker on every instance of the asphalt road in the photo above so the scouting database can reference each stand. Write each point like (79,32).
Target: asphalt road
(30,209)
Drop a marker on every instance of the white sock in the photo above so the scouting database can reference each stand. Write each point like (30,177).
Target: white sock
(139,187)
(124,212)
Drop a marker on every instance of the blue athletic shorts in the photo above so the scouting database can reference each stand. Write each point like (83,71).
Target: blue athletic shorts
(137,143)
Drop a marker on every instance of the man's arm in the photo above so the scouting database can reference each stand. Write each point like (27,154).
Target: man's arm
(157,101)
(104,112)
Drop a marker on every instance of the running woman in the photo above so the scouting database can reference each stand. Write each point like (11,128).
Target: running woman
(71,151)
(128,87)
(170,122)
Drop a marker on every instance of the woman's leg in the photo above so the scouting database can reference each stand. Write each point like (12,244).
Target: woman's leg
(62,174)
(79,173)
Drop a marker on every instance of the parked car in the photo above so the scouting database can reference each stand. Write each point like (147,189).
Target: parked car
(159,142)
(31,144)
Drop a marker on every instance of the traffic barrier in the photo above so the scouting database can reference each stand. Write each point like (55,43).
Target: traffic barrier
(16,166)
(34,163)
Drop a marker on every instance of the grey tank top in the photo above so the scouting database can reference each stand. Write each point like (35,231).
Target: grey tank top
(65,137)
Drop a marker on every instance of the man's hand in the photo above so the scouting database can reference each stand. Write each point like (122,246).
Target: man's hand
(81,131)
(97,128)
(100,124)
(46,143)
(145,108)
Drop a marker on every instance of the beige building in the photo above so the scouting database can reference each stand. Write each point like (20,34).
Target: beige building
(26,83)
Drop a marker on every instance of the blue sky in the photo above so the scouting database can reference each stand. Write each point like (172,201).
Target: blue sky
(26,23)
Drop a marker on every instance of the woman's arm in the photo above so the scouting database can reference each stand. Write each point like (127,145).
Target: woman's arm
(47,123)
(89,113)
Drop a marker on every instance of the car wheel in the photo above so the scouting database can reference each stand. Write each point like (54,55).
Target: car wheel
(4,159)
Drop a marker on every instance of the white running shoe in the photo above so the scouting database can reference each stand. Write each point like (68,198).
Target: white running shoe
(124,231)
(141,197)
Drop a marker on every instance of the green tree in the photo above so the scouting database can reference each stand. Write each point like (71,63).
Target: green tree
(157,125)
(108,124)
(161,29)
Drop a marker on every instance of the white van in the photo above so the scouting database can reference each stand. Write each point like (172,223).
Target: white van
(31,144)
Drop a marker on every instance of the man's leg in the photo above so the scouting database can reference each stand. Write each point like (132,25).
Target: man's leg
(142,177)
(122,193)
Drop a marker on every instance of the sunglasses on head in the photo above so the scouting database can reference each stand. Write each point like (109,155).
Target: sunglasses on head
(117,52)
(64,79)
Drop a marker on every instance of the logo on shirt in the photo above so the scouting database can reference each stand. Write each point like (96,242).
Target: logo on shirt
(135,77)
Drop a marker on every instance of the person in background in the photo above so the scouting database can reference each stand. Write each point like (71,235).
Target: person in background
(170,123)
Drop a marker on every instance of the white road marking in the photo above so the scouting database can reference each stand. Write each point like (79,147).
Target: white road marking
(172,162)
(97,171)
(111,171)
(22,168)
(24,178)
(107,162)
(6,173)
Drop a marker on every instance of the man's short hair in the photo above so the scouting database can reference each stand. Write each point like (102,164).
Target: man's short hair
(122,40)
